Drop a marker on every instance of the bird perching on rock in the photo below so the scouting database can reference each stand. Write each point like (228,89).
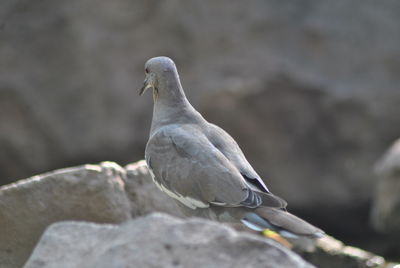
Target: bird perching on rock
(202,167)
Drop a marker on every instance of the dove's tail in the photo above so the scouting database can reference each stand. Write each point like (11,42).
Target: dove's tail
(281,222)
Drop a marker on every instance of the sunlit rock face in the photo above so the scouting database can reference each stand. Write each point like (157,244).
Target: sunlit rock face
(157,240)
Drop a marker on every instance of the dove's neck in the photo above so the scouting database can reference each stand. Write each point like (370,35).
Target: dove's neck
(171,105)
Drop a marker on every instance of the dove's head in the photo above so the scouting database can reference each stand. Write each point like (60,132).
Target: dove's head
(159,70)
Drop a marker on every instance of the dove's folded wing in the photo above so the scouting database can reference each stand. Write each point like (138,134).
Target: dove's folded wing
(231,150)
(189,168)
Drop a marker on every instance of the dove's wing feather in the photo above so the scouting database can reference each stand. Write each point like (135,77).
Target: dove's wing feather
(187,165)
(228,147)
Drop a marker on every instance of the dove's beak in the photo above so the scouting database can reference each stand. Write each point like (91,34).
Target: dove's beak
(146,85)
(149,82)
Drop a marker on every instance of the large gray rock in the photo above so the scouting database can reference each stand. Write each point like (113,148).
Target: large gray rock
(88,193)
(105,193)
(385,213)
(157,241)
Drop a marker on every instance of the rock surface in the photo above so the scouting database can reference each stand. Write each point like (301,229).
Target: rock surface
(107,193)
(87,193)
(157,241)
(385,214)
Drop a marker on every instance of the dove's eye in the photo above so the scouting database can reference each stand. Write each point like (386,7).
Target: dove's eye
(147,70)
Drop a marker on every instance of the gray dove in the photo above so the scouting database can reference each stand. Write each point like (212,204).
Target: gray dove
(202,167)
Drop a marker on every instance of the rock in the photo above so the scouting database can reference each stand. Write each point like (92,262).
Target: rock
(107,193)
(157,241)
(87,193)
(385,215)
(329,252)
(144,195)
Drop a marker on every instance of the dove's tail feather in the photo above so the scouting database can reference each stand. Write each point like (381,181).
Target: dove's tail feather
(281,222)
(271,200)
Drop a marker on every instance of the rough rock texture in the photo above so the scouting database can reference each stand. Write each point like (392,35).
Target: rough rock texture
(87,193)
(157,241)
(306,81)
(385,214)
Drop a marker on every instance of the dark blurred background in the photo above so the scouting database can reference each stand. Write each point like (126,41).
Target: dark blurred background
(309,89)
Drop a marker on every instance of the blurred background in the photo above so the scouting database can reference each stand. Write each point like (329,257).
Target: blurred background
(310,90)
